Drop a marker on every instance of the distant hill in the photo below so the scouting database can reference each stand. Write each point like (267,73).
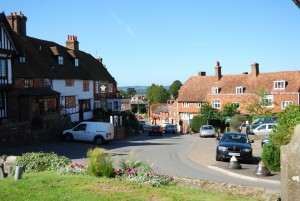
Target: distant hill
(139,89)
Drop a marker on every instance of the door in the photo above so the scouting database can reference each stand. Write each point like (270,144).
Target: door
(79,132)
(80,110)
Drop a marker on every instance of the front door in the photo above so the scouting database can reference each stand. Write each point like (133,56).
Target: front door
(81,110)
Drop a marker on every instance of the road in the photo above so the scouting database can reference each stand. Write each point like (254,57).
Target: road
(169,153)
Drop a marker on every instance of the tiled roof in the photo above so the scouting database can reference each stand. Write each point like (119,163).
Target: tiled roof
(41,60)
(197,88)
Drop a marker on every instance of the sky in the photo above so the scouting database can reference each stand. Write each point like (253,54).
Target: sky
(145,42)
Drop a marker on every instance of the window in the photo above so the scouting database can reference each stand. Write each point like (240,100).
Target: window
(3,68)
(97,104)
(279,84)
(198,105)
(1,100)
(185,104)
(239,90)
(216,104)
(235,104)
(60,60)
(110,88)
(284,104)
(69,83)
(186,116)
(116,105)
(268,101)
(70,101)
(22,59)
(50,105)
(47,82)
(86,85)
(76,62)
(28,83)
(215,90)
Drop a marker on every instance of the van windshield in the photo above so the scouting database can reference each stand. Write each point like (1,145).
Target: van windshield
(257,121)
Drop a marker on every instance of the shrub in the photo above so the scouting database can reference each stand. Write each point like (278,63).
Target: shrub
(140,172)
(271,156)
(39,161)
(197,122)
(74,168)
(236,121)
(101,163)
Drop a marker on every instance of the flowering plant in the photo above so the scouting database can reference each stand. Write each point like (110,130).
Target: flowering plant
(74,168)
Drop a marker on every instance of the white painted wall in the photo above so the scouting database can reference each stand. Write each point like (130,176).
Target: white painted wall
(77,91)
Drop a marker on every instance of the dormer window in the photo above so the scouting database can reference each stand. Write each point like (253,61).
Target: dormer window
(185,104)
(60,60)
(215,90)
(22,59)
(239,90)
(279,84)
(76,62)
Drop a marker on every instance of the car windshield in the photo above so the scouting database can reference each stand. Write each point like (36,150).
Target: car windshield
(234,138)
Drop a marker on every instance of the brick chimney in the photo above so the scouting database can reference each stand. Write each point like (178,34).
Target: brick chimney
(255,69)
(218,71)
(18,23)
(201,73)
(72,42)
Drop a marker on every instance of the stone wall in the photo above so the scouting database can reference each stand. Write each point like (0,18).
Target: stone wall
(290,168)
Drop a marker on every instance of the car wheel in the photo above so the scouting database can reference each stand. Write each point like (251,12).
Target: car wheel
(99,140)
(217,158)
(69,137)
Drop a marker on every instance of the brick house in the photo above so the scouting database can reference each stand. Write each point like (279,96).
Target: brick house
(50,80)
(282,88)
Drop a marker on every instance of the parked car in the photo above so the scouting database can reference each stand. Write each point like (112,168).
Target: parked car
(97,132)
(264,129)
(146,128)
(163,125)
(264,141)
(207,131)
(155,130)
(262,120)
(234,144)
(170,129)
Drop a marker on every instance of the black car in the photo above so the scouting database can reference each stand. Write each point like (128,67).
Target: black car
(234,144)
(155,130)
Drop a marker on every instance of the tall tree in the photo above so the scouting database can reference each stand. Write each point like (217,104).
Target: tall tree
(229,110)
(173,90)
(157,94)
(131,92)
(209,113)
(259,103)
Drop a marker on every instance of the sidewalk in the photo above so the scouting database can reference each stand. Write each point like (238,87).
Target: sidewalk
(203,153)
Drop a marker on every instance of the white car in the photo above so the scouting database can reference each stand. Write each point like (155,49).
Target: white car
(264,129)
(207,131)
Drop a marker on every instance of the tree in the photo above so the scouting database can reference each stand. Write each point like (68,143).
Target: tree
(131,92)
(123,94)
(209,113)
(229,110)
(259,103)
(173,90)
(157,94)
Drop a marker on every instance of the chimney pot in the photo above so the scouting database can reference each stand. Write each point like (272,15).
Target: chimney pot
(218,71)
(201,73)
(71,43)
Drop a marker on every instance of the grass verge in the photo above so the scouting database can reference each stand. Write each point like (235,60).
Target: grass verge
(54,186)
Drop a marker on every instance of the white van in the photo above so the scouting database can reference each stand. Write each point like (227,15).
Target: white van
(97,132)
(264,129)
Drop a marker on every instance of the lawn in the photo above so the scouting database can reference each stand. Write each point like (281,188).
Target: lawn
(54,186)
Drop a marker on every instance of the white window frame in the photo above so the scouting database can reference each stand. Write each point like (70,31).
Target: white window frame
(284,104)
(239,90)
(236,103)
(215,90)
(280,84)
(60,60)
(22,59)
(199,105)
(185,104)
(216,103)
(76,62)
(269,99)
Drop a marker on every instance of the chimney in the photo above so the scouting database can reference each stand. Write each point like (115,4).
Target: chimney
(218,71)
(18,23)
(201,73)
(72,42)
(255,69)
(100,60)
(245,73)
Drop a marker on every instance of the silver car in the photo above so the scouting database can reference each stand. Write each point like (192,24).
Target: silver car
(207,131)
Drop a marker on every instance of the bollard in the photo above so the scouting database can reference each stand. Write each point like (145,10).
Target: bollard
(234,164)
(18,172)
(261,170)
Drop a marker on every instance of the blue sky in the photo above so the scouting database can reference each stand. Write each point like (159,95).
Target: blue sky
(159,41)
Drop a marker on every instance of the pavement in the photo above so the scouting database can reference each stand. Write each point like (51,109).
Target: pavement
(208,146)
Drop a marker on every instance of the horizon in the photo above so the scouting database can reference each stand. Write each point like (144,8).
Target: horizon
(145,43)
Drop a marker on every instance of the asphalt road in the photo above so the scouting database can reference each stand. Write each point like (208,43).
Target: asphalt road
(173,155)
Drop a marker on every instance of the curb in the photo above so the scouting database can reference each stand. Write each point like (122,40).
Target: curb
(243,176)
